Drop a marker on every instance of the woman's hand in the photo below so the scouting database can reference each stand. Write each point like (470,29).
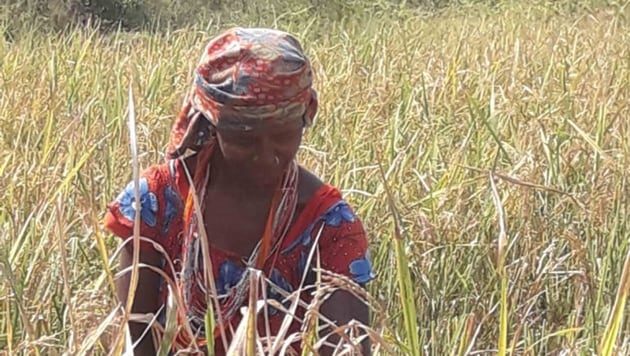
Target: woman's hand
(146,296)
(340,308)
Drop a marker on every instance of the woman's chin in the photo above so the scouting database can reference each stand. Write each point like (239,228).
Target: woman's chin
(259,178)
(267,181)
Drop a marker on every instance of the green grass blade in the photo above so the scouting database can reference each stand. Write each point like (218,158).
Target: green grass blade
(615,319)
(403,277)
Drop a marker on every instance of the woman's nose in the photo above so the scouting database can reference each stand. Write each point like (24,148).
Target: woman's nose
(266,161)
(265,155)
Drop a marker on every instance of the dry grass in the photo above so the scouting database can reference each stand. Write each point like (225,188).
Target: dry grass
(535,98)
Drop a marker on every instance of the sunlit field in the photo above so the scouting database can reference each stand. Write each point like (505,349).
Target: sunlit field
(485,148)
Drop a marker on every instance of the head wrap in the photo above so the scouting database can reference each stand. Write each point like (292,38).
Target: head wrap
(245,77)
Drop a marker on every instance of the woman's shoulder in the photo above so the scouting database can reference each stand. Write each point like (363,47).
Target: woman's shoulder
(162,205)
(320,201)
(313,192)
(328,221)
(308,185)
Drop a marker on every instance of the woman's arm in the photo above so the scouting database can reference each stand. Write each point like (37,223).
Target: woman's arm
(161,222)
(344,250)
(146,296)
(340,308)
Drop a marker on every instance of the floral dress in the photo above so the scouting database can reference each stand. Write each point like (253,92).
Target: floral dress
(326,222)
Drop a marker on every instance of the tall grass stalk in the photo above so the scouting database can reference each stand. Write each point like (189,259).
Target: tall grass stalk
(133,282)
(501,246)
(615,319)
(403,277)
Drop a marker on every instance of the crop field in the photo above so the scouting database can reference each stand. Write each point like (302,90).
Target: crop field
(486,148)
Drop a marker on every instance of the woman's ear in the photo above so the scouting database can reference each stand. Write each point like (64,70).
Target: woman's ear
(311,109)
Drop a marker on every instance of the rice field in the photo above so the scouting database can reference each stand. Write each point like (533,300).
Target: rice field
(485,147)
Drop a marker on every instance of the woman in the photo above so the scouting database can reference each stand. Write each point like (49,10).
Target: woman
(235,142)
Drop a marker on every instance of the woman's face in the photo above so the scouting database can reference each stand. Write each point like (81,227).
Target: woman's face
(261,154)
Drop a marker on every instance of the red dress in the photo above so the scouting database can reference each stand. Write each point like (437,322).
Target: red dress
(326,222)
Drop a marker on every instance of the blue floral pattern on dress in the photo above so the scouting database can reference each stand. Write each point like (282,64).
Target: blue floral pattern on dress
(170,211)
(148,203)
(361,269)
(339,214)
(229,275)
(335,216)
(273,293)
(304,239)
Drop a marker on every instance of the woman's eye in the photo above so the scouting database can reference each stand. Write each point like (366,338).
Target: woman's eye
(240,140)
(280,138)
(285,136)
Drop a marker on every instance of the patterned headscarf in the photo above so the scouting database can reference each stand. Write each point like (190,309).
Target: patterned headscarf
(246,77)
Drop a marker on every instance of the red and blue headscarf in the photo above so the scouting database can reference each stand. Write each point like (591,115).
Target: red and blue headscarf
(245,77)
